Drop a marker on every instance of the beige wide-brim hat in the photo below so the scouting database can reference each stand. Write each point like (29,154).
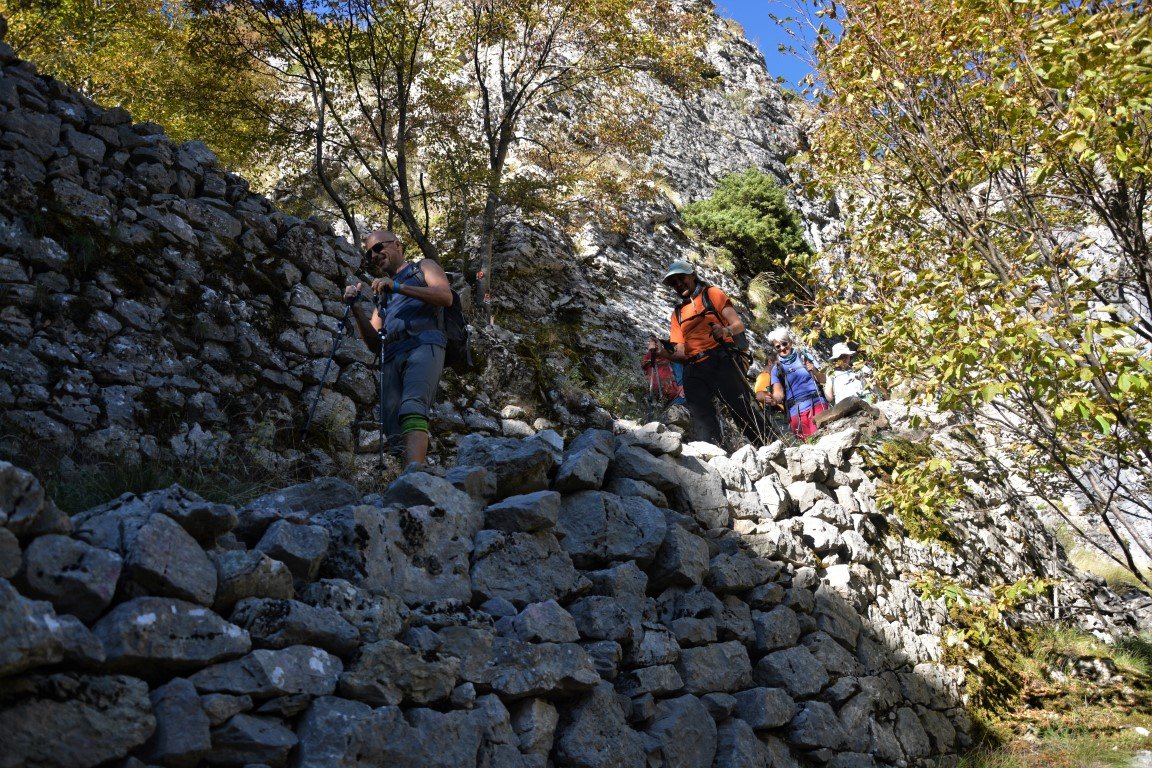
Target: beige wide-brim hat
(679,267)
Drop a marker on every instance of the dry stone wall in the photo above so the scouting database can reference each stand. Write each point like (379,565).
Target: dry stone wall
(623,600)
(153,306)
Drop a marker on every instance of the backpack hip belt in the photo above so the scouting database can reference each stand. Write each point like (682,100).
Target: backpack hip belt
(801,400)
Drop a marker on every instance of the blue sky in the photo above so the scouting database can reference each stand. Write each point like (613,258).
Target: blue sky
(755,17)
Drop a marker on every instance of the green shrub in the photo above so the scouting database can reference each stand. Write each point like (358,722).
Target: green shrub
(749,216)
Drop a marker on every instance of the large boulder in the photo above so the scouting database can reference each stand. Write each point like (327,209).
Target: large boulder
(74,721)
(157,635)
(598,528)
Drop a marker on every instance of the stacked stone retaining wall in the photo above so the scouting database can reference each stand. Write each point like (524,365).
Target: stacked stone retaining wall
(622,600)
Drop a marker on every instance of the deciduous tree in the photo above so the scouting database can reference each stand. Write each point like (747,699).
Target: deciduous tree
(993,162)
(157,59)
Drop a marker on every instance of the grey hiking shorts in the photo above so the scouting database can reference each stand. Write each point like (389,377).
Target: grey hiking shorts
(409,387)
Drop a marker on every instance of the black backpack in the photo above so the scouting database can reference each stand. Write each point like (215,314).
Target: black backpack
(739,340)
(458,352)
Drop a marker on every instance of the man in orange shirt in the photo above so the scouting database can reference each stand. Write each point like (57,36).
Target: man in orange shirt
(702,339)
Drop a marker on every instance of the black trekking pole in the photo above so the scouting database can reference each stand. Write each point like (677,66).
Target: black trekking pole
(761,419)
(342,327)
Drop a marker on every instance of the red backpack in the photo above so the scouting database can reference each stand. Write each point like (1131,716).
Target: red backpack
(661,378)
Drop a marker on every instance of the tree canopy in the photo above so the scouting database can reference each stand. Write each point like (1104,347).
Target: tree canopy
(437,114)
(992,160)
(157,59)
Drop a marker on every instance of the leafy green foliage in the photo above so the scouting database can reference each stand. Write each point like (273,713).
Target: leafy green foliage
(919,484)
(748,214)
(992,160)
(157,59)
(980,639)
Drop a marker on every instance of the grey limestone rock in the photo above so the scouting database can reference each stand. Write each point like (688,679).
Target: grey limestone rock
(656,646)
(852,759)
(702,489)
(815,726)
(220,707)
(597,528)
(477,482)
(655,438)
(242,574)
(593,733)
(774,499)
(412,553)
(520,466)
(375,616)
(832,655)
(659,680)
(329,733)
(720,705)
(837,617)
(737,572)
(543,622)
(74,721)
(153,635)
(390,672)
(310,498)
(10,554)
(776,629)
(738,747)
(522,567)
(165,560)
(911,734)
(534,722)
(764,708)
(300,547)
(204,520)
(635,463)
(821,537)
(264,674)
(527,512)
(586,461)
(520,670)
(182,735)
(32,635)
(251,740)
(735,621)
(626,486)
(599,617)
(723,667)
(422,489)
(682,733)
(606,656)
(682,560)
(273,623)
(22,501)
(794,669)
(75,577)
(941,732)
(808,462)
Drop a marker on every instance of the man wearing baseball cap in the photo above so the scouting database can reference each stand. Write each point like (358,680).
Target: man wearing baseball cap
(702,329)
